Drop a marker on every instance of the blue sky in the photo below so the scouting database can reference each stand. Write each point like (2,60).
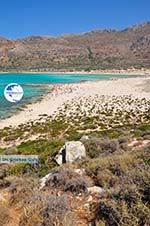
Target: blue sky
(20,18)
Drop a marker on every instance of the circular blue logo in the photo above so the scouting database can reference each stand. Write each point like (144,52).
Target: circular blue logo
(13,92)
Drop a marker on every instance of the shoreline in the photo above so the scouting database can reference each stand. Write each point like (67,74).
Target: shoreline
(59,94)
(49,87)
(106,72)
(34,99)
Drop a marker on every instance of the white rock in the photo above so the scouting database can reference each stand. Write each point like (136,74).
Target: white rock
(80,171)
(70,152)
(43,180)
(90,198)
(87,205)
(95,189)
(84,137)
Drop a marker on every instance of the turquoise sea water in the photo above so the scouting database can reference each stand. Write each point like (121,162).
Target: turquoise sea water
(34,86)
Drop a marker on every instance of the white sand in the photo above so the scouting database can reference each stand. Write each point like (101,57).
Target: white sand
(63,93)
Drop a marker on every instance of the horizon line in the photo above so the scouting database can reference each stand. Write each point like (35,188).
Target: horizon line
(77,33)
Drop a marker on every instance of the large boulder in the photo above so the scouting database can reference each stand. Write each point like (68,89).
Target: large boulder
(70,152)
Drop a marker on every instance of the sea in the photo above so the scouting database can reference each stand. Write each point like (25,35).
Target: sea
(35,86)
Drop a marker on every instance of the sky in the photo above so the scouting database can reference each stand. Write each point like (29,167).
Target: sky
(21,18)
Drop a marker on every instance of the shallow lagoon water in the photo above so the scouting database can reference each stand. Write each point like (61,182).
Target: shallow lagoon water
(34,86)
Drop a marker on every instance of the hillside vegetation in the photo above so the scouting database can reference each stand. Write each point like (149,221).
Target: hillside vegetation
(118,162)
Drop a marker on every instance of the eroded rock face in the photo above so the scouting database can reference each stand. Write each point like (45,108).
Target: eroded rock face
(70,152)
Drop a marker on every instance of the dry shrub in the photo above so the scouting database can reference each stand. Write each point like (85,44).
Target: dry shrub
(48,211)
(113,213)
(127,176)
(106,178)
(141,177)
(123,142)
(128,193)
(2,173)
(108,171)
(76,185)
(20,189)
(93,147)
(4,215)
(68,180)
(96,147)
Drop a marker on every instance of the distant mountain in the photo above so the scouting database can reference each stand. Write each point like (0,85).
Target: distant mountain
(99,49)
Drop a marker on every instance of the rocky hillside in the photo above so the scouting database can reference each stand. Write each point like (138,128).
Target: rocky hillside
(109,185)
(99,49)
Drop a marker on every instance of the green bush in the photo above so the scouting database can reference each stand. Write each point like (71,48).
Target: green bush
(19,169)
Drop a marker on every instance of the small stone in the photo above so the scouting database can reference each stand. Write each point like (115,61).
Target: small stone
(95,189)
(80,171)
(90,198)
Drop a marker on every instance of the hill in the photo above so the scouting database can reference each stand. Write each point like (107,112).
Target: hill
(98,49)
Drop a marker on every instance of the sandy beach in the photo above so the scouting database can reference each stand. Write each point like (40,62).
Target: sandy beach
(136,87)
